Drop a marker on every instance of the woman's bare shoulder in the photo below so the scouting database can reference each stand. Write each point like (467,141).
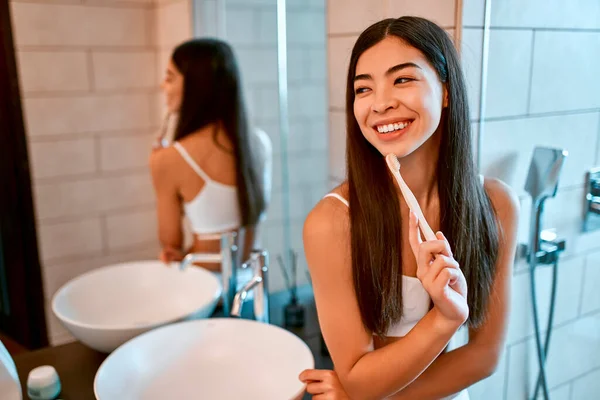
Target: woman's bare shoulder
(328,219)
(504,200)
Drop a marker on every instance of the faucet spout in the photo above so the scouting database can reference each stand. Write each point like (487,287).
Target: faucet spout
(192,258)
(242,294)
(259,262)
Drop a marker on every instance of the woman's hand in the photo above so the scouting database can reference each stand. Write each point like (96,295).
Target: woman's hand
(439,273)
(323,384)
(169,254)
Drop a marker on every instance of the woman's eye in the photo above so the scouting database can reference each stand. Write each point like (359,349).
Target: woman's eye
(403,80)
(360,90)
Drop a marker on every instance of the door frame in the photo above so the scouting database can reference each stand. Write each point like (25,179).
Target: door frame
(22,310)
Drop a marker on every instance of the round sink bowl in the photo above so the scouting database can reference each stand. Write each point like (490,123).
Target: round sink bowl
(217,358)
(106,307)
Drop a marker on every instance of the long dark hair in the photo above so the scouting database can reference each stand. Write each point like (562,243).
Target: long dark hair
(467,217)
(212,94)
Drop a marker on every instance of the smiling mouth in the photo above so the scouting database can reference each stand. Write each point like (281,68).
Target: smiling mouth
(391,128)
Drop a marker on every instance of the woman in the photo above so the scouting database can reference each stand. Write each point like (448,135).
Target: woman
(217,172)
(388,303)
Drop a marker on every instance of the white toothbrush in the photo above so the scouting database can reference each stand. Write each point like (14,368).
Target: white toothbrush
(394,166)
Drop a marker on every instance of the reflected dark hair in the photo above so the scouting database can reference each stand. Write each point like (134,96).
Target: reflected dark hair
(212,93)
(467,217)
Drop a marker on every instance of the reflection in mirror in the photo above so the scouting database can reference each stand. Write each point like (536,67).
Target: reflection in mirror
(111,187)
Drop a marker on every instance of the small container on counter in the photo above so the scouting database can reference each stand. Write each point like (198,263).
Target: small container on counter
(43,383)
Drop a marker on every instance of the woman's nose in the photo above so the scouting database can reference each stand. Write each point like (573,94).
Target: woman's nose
(384,101)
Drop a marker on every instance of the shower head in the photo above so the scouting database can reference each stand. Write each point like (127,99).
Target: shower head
(544,171)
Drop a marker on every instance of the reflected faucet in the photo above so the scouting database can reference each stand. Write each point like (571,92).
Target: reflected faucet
(228,259)
(259,262)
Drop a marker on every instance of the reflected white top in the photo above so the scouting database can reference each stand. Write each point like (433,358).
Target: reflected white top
(215,208)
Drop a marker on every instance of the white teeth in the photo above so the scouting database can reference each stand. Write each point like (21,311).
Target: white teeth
(392,127)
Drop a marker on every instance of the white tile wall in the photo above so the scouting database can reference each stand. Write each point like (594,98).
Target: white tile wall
(509,66)
(267,26)
(62,71)
(241,26)
(124,151)
(570,279)
(80,198)
(259,65)
(591,298)
(441,12)
(41,24)
(473,13)
(124,70)
(131,229)
(587,387)
(337,145)
(582,14)
(59,240)
(306,27)
(339,51)
(569,356)
(565,76)
(352,16)
(66,115)
(508,146)
(173,23)
(472,40)
(62,157)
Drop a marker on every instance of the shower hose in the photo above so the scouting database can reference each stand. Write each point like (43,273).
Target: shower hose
(542,348)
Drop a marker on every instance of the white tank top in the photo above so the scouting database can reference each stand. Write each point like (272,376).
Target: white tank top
(215,209)
(415,299)
(416,302)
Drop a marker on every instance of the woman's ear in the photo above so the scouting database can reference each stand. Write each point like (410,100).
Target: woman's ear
(445,94)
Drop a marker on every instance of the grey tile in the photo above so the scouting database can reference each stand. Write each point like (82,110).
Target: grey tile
(508,146)
(570,274)
(584,14)
(557,86)
(509,64)
(591,295)
(574,351)
(587,387)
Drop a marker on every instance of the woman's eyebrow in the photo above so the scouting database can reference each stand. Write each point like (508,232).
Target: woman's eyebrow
(390,71)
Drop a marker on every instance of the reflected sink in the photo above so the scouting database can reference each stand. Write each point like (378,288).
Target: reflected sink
(106,307)
(219,358)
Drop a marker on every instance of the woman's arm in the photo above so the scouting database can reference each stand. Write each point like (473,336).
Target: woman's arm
(365,373)
(460,368)
(168,203)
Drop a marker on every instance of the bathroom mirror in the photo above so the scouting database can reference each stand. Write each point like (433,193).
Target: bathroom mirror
(92,108)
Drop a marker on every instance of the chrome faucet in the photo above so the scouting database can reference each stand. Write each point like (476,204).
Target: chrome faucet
(259,262)
(228,259)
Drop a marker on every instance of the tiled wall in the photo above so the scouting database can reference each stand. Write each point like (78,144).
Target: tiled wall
(251,28)
(89,72)
(543,89)
(346,19)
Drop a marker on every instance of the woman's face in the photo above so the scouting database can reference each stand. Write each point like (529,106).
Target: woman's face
(172,86)
(398,97)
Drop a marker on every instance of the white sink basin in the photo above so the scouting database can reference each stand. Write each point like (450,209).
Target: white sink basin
(106,307)
(220,358)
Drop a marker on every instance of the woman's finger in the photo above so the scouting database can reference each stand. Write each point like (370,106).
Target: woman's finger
(317,387)
(314,375)
(441,237)
(445,277)
(414,234)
